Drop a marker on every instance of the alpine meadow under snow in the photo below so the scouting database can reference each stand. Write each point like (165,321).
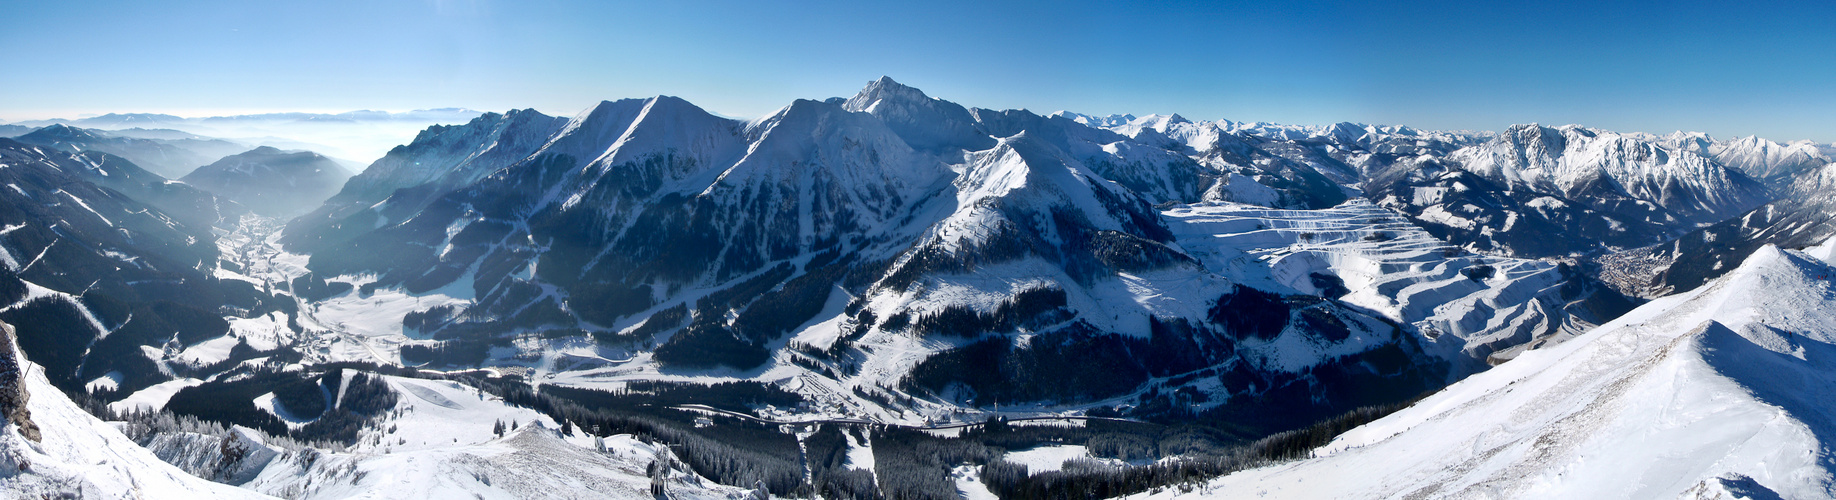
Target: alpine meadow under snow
(891,295)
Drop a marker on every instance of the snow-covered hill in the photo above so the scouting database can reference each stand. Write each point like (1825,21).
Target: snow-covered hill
(272,182)
(74,455)
(1714,393)
(168,158)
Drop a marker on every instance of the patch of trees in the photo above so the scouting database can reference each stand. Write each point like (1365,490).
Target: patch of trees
(716,304)
(299,397)
(777,312)
(1031,309)
(735,452)
(914,465)
(1206,454)
(737,396)
(429,320)
(312,287)
(52,332)
(233,402)
(1074,363)
(1004,243)
(1250,313)
(706,345)
(230,401)
(665,320)
(462,352)
(605,303)
(1321,322)
(1479,272)
(366,397)
(1330,286)
(12,289)
(826,451)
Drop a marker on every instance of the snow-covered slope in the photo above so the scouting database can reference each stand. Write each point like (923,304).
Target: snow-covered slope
(1718,390)
(78,456)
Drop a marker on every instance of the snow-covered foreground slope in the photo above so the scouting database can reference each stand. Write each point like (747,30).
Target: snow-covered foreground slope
(78,456)
(438,442)
(1719,390)
(532,462)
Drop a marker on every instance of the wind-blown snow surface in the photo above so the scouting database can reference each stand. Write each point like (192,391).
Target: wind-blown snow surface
(531,462)
(82,456)
(1721,389)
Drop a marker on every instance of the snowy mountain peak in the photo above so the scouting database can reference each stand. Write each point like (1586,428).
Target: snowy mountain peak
(925,123)
(883,89)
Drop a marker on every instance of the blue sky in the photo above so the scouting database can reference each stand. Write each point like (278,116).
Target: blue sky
(1727,68)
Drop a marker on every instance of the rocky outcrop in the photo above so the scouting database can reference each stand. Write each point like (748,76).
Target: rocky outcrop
(13,395)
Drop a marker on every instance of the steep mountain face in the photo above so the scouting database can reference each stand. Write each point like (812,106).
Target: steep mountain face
(272,182)
(1707,394)
(162,157)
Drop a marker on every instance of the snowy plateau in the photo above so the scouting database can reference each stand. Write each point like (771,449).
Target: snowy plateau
(891,295)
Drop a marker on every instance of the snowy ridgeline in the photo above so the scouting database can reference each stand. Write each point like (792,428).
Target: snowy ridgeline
(1715,393)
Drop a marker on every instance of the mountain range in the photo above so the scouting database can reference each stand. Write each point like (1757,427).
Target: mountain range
(1196,297)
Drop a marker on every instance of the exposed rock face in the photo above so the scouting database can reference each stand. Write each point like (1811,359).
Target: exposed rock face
(13,395)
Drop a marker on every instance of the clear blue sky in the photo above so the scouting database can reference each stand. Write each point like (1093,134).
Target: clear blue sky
(1724,67)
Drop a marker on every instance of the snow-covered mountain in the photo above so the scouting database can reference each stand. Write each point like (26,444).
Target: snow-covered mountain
(272,182)
(889,257)
(876,244)
(1778,165)
(168,158)
(1602,190)
(1614,174)
(1713,393)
